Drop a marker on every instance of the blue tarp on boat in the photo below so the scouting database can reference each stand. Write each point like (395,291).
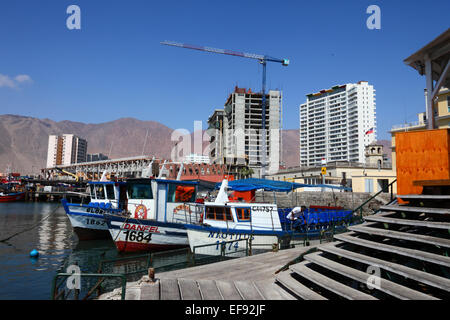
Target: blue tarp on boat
(271,185)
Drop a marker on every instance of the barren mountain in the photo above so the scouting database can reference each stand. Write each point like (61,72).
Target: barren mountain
(24,140)
(290,148)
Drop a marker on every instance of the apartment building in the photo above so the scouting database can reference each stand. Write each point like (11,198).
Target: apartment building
(337,124)
(65,149)
(196,158)
(236,131)
(216,132)
(91,157)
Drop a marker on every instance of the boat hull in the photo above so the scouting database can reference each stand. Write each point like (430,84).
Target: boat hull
(13,197)
(87,222)
(235,241)
(135,235)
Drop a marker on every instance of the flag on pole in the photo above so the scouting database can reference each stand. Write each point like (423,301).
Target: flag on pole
(369,131)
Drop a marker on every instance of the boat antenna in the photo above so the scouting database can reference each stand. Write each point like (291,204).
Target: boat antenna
(145,142)
(162,169)
(180,171)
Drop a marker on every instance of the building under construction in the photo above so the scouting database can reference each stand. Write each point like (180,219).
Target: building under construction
(236,131)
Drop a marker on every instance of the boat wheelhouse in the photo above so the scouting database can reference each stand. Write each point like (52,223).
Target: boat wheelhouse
(156,214)
(88,220)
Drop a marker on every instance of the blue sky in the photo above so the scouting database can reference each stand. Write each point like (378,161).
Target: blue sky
(115,66)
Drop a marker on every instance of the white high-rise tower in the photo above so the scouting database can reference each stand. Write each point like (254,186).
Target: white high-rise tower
(337,123)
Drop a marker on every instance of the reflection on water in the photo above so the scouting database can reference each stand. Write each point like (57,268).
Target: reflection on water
(48,230)
(22,277)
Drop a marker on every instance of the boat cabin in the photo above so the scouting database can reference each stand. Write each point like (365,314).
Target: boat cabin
(162,200)
(242,216)
(108,194)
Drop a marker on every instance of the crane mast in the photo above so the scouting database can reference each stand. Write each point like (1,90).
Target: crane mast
(263,60)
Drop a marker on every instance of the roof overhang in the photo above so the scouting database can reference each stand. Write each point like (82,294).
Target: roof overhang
(438,52)
(433,61)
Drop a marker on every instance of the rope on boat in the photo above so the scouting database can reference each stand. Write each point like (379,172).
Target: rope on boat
(32,227)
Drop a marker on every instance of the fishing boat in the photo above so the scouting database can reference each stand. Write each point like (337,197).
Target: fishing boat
(88,221)
(156,214)
(236,223)
(11,197)
(231,225)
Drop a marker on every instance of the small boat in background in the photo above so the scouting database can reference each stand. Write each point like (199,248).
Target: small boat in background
(10,197)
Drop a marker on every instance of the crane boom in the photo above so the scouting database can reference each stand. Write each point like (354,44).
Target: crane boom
(262,59)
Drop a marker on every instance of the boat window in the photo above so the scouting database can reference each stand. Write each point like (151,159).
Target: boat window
(92,191)
(219,213)
(243,214)
(110,191)
(180,193)
(100,191)
(140,191)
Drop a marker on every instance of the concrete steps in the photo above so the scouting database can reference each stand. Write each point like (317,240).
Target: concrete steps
(407,245)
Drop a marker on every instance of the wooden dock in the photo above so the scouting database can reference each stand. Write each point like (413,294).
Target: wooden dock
(246,278)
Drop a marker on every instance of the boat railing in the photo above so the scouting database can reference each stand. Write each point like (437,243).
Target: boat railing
(389,188)
(190,213)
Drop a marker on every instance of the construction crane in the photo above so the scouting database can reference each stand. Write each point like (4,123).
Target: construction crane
(263,59)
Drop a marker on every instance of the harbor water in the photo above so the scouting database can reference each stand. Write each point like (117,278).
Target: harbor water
(46,228)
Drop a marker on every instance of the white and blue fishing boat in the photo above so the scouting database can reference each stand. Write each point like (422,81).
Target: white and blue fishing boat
(88,220)
(262,223)
(156,214)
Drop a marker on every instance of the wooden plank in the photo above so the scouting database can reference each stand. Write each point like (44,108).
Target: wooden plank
(416,223)
(415,209)
(208,290)
(247,290)
(298,288)
(150,291)
(228,290)
(189,289)
(420,276)
(386,286)
(328,283)
(246,265)
(132,294)
(169,289)
(412,253)
(431,183)
(402,235)
(424,196)
(271,291)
